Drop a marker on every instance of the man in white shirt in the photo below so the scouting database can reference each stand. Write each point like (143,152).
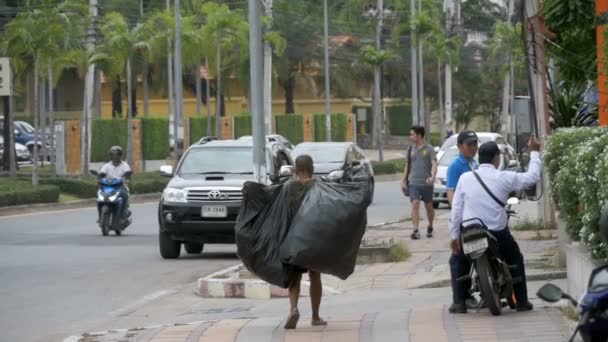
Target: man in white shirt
(471,200)
(114,169)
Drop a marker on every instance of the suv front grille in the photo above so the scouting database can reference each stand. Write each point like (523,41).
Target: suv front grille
(214,195)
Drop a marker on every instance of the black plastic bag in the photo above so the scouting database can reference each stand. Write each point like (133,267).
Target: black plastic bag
(326,232)
(261,228)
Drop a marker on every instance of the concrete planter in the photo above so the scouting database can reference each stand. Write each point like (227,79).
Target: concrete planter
(579,264)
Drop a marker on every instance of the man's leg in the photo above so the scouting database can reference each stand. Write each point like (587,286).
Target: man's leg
(316,292)
(430,211)
(509,250)
(294,296)
(415,197)
(459,267)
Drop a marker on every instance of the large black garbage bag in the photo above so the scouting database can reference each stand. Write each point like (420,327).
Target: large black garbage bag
(261,228)
(326,232)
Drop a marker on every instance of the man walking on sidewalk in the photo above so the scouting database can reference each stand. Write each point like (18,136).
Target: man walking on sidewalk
(420,173)
(482,194)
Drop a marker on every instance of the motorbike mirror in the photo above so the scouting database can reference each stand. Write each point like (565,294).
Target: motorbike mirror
(513,201)
(166,170)
(286,171)
(355,163)
(513,163)
(436,149)
(604,224)
(550,293)
(94,173)
(128,174)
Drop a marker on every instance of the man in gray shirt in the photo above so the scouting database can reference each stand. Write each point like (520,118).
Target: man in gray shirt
(420,172)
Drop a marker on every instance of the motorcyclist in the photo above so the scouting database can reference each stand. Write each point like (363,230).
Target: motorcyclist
(115,169)
(471,200)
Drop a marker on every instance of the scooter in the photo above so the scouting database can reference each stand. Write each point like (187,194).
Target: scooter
(593,307)
(114,214)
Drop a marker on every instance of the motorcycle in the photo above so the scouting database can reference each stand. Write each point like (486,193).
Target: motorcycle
(114,214)
(593,307)
(491,275)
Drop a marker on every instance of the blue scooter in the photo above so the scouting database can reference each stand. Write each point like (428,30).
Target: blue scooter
(114,212)
(593,307)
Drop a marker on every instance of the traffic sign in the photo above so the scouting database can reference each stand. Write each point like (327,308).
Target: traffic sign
(5,77)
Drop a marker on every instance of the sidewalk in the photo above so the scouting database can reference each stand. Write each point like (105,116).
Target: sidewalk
(405,301)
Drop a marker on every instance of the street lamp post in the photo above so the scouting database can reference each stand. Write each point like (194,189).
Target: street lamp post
(327,89)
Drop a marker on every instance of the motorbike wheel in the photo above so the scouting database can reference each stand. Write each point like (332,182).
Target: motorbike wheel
(105,220)
(486,282)
(118,232)
(193,248)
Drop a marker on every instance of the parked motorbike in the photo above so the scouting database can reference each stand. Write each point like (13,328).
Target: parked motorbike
(593,307)
(492,279)
(114,213)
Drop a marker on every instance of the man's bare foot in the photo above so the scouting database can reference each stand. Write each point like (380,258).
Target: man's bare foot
(292,320)
(318,322)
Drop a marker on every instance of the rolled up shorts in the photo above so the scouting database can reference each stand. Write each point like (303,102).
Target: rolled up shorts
(422,193)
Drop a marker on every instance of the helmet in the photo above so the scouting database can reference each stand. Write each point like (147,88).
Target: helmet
(116,151)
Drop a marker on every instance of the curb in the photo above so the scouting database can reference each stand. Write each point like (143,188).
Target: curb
(86,203)
(77,338)
(214,286)
(530,277)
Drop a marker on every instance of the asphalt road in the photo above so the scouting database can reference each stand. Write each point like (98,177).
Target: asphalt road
(58,273)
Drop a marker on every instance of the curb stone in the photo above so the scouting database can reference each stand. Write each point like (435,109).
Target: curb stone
(530,277)
(79,204)
(214,286)
(76,338)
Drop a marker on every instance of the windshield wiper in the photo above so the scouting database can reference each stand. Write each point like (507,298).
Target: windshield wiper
(214,172)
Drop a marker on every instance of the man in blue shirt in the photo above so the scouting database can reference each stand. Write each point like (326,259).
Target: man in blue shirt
(468,143)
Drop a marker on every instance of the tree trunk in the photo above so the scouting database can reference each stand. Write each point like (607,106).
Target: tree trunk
(218,93)
(129,115)
(52,123)
(84,165)
(144,79)
(133,93)
(98,96)
(9,143)
(442,126)
(208,93)
(377,131)
(116,99)
(43,123)
(198,86)
(36,116)
(289,86)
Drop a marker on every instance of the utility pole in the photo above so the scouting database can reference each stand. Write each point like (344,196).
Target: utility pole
(179,115)
(422,117)
(414,57)
(378,117)
(327,89)
(89,91)
(268,70)
(601,9)
(256,86)
(171,94)
(450,8)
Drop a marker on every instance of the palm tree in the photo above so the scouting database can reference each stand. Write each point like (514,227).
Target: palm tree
(225,30)
(119,46)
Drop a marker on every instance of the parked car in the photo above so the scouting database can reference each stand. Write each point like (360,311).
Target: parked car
(333,159)
(271,138)
(508,162)
(202,201)
(25,134)
(483,137)
(22,153)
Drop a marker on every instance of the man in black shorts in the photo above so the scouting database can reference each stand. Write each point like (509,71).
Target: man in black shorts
(298,188)
(419,179)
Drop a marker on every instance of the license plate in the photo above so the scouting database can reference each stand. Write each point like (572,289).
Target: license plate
(475,245)
(214,211)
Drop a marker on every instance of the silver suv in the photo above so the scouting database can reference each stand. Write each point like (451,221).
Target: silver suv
(202,201)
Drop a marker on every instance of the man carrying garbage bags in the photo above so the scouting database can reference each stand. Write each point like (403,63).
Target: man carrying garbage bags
(303,225)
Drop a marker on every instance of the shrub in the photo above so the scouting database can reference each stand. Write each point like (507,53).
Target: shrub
(389,167)
(338,127)
(577,163)
(198,128)
(242,125)
(14,192)
(400,119)
(291,126)
(155,138)
(105,134)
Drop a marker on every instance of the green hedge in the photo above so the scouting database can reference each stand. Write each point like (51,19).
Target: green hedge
(242,125)
(576,160)
(198,128)
(105,134)
(389,167)
(339,125)
(14,192)
(155,138)
(291,126)
(400,119)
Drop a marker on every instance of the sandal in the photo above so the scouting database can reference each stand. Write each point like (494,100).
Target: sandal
(318,322)
(292,320)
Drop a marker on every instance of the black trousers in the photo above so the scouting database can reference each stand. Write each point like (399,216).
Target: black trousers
(460,265)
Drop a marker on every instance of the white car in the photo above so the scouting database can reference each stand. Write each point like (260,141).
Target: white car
(483,137)
(23,154)
(508,161)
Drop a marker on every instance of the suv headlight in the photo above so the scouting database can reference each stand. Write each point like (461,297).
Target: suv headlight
(174,195)
(335,175)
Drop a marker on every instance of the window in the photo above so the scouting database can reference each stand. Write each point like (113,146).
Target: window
(218,160)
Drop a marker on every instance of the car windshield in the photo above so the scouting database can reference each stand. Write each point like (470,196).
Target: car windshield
(26,127)
(221,160)
(322,153)
(449,156)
